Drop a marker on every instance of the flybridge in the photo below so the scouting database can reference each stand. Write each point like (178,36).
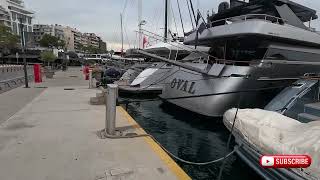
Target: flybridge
(278,8)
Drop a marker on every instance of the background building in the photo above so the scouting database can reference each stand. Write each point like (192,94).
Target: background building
(5,17)
(92,39)
(102,46)
(69,37)
(77,41)
(17,12)
(39,30)
(73,38)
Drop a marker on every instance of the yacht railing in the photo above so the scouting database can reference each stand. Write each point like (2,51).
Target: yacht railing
(266,17)
(232,62)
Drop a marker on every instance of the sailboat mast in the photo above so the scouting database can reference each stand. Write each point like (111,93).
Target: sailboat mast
(121,35)
(166,21)
(140,22)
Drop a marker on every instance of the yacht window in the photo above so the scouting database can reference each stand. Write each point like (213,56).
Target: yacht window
(277,56)
(298,85)
(239,51)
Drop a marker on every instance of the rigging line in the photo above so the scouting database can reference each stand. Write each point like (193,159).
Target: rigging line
(198,11)
(182,46)
(135,40)
(155,17)
(180,17)
(125,21)
(190,14)
(194,15)
(126,34)
(230,136)
(160,10)
(125,7)
(174,18)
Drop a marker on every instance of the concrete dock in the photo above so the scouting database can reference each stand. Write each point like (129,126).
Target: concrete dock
(49,132)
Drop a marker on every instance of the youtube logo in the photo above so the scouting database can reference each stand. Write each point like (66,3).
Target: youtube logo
(267,161)
(286,161)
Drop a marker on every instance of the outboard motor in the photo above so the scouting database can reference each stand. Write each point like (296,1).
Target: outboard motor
(223,6)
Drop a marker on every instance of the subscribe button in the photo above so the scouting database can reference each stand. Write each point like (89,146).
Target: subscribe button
(285,161)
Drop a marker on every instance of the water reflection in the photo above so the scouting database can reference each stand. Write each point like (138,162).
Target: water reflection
(192,137)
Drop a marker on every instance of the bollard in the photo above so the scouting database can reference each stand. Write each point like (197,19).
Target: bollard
(37,73)
(111,98)
(90,79)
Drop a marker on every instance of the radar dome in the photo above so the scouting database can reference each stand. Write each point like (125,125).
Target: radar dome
(223,6)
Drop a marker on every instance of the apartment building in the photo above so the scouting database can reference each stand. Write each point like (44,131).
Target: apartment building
(5,18)
(92,39)
(102,46)
(69,37)
(78,43)
(13,13)
(75,40)
(39,30)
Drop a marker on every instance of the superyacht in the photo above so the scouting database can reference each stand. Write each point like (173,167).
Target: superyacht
(257,49)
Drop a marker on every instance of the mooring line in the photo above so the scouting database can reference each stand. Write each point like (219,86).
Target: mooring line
(103,135)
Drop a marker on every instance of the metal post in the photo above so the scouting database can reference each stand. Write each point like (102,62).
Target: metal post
(111,98)
(24,54)
(90,79)
(17,56)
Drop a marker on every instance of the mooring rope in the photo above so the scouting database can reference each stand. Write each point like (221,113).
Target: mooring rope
(230,136)
(102,134)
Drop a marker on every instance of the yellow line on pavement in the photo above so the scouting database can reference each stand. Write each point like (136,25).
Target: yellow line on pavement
(172,165)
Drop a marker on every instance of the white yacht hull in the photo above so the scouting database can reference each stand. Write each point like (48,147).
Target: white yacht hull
(195,92)
(148,81)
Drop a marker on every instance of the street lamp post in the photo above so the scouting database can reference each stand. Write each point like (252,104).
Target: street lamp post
(24,54)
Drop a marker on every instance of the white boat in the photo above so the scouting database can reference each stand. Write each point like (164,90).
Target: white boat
(255,45)
(289,124)
(152,79)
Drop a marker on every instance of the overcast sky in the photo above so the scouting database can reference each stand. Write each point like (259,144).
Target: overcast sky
(103,16)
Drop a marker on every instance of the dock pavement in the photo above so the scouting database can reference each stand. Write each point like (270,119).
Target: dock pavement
(49,132)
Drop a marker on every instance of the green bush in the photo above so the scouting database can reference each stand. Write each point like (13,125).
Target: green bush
(48,56)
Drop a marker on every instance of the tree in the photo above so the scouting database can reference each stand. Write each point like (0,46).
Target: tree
(8,40)
(48,56)
(61,44)
(81,47)
(91,49)
(51,41)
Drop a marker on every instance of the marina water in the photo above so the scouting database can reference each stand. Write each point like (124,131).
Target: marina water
(191,137)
